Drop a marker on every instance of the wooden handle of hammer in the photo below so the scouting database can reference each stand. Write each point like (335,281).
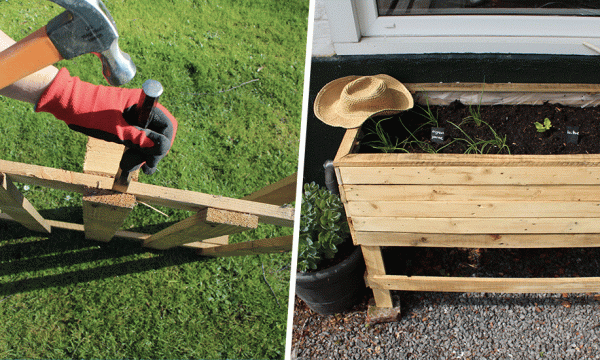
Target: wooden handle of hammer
(27,56)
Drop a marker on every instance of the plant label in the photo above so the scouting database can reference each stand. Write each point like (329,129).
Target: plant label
(572,134)
(437,134)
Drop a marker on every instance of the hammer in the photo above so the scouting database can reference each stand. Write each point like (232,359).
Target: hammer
(86,27)
(151,91)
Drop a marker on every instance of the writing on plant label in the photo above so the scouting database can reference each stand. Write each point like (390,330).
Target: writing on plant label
(572,134)
(437,134)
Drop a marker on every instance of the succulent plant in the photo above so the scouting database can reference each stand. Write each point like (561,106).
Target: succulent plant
(323,226)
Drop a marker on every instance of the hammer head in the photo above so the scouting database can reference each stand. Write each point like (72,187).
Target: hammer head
(88,27)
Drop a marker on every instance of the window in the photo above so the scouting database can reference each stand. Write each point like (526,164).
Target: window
(465,26)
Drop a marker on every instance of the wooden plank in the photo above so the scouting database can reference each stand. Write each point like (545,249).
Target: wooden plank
(461,175)
(206,224)
(491,285)
(102,157)
(151,194)
(208,243)
(476,160)
(279,193)
(347,145)
(565,193)
(504,87)
(19,208)
(104,212)
(375,266)
(501,241)
(469,209)
(479,226)
(79,227)
(262,246)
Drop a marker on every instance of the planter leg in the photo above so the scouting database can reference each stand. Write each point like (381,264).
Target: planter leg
(375,266)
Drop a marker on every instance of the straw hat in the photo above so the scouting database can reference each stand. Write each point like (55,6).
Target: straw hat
(347,102)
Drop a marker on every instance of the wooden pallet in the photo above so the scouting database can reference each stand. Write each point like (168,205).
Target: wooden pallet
(470,201)
(104,210)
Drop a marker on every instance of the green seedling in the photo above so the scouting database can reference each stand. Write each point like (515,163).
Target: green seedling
(543,127)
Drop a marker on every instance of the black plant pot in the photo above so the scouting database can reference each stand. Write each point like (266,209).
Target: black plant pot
(335,289)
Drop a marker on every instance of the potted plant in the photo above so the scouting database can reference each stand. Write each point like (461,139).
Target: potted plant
(330,268)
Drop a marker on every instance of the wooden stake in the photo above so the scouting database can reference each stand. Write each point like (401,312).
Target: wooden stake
(14,204)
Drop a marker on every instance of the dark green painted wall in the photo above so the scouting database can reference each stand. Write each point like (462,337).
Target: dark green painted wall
(322,140)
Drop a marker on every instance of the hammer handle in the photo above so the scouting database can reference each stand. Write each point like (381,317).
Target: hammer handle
(27,56)
(151,91)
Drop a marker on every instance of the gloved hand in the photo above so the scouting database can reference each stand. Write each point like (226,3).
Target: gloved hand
(110,113)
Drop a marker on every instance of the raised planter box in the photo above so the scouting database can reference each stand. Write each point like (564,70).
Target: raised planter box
(470,201)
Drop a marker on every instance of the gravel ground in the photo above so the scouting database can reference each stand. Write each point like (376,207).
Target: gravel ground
(468,325)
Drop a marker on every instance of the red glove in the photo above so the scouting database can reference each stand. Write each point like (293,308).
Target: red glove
(110,113)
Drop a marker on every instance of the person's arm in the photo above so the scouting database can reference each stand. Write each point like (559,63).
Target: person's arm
(30,88)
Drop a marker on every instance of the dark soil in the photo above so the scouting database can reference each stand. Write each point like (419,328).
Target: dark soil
(516,122)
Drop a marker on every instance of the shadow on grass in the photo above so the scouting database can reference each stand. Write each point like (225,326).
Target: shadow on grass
(65,257)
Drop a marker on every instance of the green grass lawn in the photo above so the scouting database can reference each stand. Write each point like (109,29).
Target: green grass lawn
(62,296)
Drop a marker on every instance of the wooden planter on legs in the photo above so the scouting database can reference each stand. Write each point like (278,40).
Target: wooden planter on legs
(468,201)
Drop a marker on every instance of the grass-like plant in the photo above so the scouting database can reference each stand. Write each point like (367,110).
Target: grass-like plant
(383,141)
(323,226)
(483,146)
(427,114)
(475,111)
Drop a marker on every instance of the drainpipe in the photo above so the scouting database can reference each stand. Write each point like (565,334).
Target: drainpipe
(330,178)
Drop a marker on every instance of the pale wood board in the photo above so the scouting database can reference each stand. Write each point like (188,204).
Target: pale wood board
(255,247)
(563,193)
(347,145)
(476,160)
(375,266)
(151,194)
(474,209)
(491,285)
(79,227)
(506,241)
(102,157)
(279,193)
(471,175)
(104,212)
(478,225)
(19,208)
(206,224)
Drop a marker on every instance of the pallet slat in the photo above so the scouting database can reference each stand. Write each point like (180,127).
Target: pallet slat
(491,285)
(19,208)
(478,225)
(255,247)
(206,224)
(151,194)
(483,209)
(506,241)
(472,175)
(472,192)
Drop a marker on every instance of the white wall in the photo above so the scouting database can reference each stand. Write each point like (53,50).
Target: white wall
(321,44)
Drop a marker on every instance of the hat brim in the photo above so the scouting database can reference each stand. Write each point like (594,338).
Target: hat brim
(327,103)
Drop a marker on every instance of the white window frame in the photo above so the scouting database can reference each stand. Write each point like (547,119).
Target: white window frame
(356,29)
